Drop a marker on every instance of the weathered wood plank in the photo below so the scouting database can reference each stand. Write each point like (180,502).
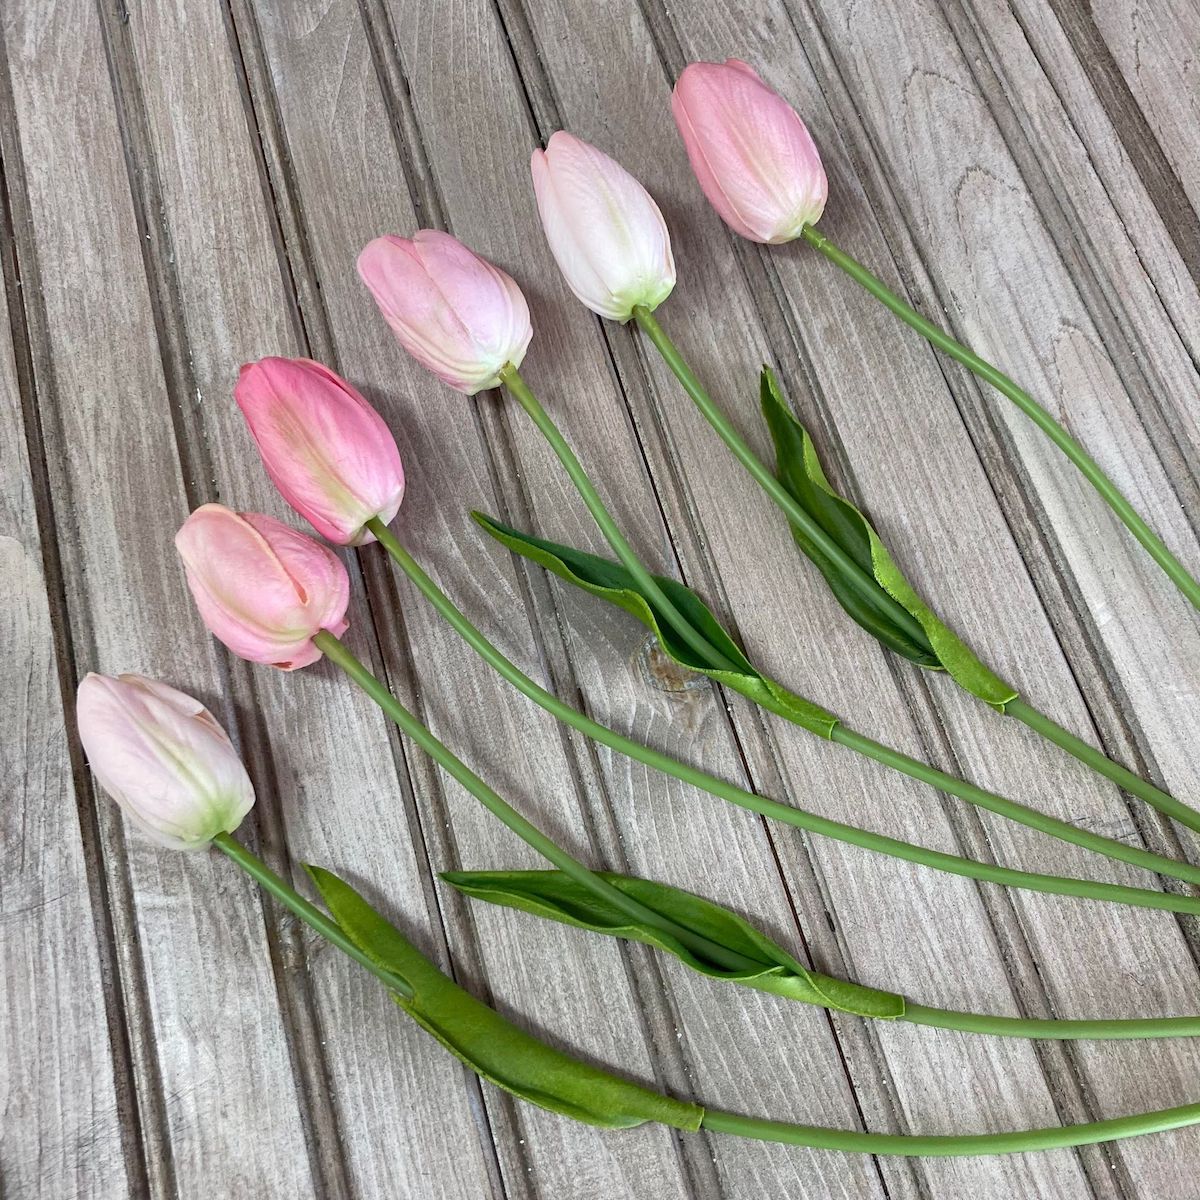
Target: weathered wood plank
(1155,47)
(1130,253)
(61,1128)
(211,1055)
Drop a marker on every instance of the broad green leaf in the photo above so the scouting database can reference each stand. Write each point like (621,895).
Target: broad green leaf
(553,895)
(799,470)
(492,1047)
(609,580)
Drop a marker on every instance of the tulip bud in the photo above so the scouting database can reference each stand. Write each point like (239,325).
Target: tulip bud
(263,589)
(753,156)
(325,448)
(605,231)
(455,313)
(163,758)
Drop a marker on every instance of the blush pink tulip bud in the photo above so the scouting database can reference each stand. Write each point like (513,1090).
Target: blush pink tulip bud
(454,312)
(605,231)
(753,156)
(163,758)
(325,448)
(263,589)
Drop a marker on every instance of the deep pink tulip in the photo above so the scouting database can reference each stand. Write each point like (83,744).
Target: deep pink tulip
(753,156)
(263,589)
(162,756)
(458,315)
(325,448)
(605,231)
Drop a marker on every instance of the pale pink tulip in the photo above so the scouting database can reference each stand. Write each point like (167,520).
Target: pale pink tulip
(263,589)
(605,231)
(458,315)
(163,758)
(325,448)
(753,156)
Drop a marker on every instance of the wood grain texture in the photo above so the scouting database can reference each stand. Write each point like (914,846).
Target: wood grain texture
(1025,171)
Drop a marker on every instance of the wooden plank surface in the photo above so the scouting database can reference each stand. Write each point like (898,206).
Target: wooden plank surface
(185,187)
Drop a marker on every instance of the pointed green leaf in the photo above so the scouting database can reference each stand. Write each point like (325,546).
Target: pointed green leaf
(553,895)
(799,470)
(491,1046)
(610,581)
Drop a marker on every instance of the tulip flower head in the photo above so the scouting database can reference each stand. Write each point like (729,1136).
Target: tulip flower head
(263,589)
(755,160)
(162,756)
(605,231)
(325,448)
(458,315)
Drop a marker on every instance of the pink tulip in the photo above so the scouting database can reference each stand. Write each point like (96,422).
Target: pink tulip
(263,589)
(753,156)
(605,231)
(325,448)
(455,313)
(163,758)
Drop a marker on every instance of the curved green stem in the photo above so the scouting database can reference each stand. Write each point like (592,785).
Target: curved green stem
(1014,811)
(312,916)
(863,583)
(1124,778)
(338,653)
(1091,470)
(951,1145)
(950,863)
(512,380)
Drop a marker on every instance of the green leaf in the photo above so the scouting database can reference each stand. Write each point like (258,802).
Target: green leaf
(553,895)
(491,1046)
(799,470)
(610,581)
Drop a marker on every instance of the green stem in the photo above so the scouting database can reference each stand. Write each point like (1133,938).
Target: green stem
(1014,811)
(1091,470)
(512,380)
(951,1145)
(338,653)
(312,916)
(951,863)
(1056,1029)
(753,1127)
(862,583)
(1153,796)
(1099,762)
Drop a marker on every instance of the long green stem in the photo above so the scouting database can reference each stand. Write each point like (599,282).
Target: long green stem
(1124,778)
(1152,795)
(867,588)
(951,1145)
(822,826)
(1014,811)
(338,653)
(1091,470)
(512,380)
(851,1141)
(312,916)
